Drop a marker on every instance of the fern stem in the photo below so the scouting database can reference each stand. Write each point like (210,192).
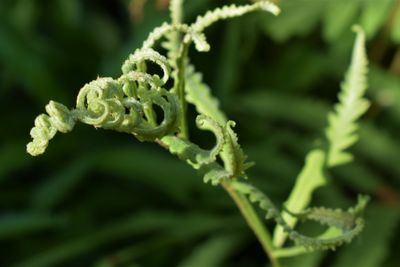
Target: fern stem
(180,90)
(254,222)
(290,252)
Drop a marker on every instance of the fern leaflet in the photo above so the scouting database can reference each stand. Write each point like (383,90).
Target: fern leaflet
(341,131)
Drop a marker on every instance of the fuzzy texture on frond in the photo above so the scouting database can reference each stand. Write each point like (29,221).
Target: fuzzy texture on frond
(232,154)
(232,11)
(175,8)
(199,94)
(122,104)
(191,152)
(349,222)
(164,30)
(226,147)
(309,179)
(341,131)
(126,104)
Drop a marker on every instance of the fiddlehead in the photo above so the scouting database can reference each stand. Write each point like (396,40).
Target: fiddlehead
(121,105)
(192,153)
(226,147)
(60,119)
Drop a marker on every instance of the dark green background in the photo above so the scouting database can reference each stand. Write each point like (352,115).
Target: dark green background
(99,198)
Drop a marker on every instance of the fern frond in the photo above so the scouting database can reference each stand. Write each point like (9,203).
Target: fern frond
(175,8)
(199,94)
(333,217)
(232,154)
(60,119)
(142,55)
(192,153)
(310,178)
(172,43)
(227,12)
(122,104)
(341,131)
(226,147)
(350,223)
(164,30)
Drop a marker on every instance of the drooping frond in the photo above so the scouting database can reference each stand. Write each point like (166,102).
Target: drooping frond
(341,131)
(162,31)
(348,222)
(227,12)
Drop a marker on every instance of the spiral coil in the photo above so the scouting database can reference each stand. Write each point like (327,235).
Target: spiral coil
(122,104)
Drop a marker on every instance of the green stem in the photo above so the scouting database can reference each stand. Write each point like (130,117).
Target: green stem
(254,222)
(180,89)
(290,252)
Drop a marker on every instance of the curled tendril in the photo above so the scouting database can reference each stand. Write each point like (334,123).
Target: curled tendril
(141,56)
(60,119)
(349,222)
(205,161)
(192,153)
(122,104)
(231,11)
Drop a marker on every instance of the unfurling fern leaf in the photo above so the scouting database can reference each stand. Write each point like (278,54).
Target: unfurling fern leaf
(341,134)
(127,105)
(122,105)
(341,131)
(199,94)
(348,222)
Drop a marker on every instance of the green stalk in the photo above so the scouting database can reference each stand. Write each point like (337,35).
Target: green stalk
(290,252)
(180,89)
(181,48)
(253,221)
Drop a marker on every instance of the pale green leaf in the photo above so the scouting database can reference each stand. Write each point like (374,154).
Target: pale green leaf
(199,94)
(310,178)
(342,122)
(348,222)
(192,153)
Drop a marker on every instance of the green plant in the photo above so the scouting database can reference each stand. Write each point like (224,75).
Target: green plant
(127,104)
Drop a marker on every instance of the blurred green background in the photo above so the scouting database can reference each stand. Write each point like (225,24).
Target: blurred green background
(104,199)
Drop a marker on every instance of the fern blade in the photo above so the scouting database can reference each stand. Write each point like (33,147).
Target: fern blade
(341,131)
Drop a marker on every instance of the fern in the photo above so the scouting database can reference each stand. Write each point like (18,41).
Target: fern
(348,222)
(103,103)
(126,104)
(341,132)
(310,178)
(199,94)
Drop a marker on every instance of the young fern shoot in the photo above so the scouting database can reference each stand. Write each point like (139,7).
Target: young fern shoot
(126,104)
(341,134)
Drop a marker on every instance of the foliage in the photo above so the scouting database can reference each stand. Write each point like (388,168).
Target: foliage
(120,203)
